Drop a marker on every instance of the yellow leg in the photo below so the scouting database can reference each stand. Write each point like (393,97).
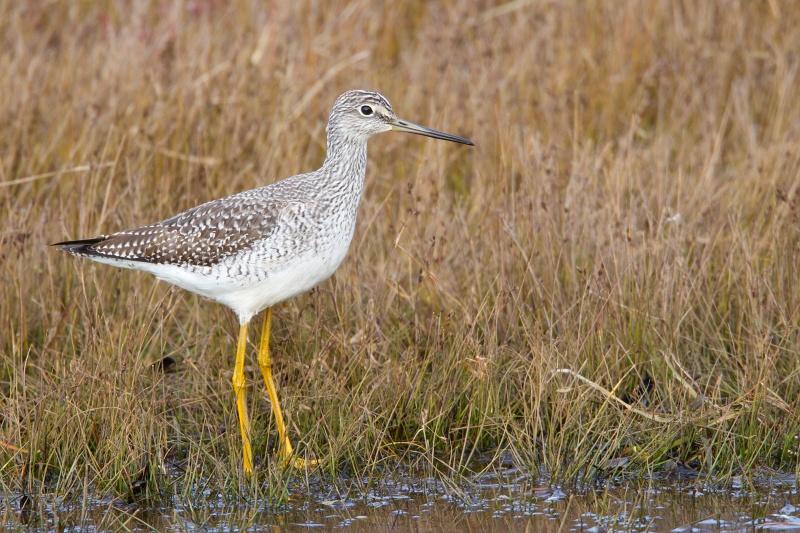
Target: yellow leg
(241,400)
(264,362)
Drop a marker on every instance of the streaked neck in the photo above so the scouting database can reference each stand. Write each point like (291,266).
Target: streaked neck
(346,161)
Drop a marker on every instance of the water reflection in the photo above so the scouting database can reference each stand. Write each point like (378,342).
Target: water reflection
(502,501)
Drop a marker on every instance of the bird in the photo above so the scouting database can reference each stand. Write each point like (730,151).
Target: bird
(257,248)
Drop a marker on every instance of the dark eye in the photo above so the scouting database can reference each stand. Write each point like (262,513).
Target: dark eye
(366,110)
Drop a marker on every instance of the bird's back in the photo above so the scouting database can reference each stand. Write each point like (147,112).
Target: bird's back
(204,235)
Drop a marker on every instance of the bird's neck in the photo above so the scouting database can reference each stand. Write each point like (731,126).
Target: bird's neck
(345,164)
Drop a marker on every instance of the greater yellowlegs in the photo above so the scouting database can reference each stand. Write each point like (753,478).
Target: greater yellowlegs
(254,249)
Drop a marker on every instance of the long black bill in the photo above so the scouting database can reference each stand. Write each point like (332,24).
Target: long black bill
(410,127)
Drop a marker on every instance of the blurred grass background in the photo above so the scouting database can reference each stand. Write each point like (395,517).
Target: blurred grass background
(606,284)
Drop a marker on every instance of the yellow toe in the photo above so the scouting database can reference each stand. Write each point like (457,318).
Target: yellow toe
(287,458)
(299,463)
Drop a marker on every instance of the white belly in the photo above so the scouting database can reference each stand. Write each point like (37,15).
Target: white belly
(302,275)
(248,295)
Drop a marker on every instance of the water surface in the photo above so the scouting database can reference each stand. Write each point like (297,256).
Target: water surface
(500,501)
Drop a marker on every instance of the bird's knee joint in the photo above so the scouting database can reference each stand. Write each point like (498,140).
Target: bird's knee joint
(238,383)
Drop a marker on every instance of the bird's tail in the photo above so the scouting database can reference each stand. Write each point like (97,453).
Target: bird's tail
(79,247)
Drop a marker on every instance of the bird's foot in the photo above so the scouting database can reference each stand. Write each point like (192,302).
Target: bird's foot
(287,458)
(301,463)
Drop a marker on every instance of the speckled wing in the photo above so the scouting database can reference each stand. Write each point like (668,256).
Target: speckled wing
(201,236)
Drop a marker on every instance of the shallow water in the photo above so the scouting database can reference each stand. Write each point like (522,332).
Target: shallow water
(503,501)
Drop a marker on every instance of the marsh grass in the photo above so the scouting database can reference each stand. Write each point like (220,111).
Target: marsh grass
(605,285)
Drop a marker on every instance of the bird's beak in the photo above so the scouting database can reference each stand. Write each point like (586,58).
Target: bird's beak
(409,127)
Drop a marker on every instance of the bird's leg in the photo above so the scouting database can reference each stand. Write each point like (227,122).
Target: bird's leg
(264,362)
(241,400)
(284,446)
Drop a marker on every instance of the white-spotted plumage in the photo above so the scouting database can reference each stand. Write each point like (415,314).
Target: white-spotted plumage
(257,248)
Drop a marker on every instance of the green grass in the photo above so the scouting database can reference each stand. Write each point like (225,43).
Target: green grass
(611,272)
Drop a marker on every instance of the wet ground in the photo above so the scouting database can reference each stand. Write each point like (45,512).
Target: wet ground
(502,501)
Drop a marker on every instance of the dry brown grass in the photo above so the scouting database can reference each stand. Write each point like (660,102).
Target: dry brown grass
(611,272)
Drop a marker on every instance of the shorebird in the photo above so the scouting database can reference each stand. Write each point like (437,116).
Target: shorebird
(257,248)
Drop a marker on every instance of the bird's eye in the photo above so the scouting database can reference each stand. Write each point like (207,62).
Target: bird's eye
(366,110)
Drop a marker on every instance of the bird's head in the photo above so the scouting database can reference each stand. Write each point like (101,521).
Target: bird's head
(357,115)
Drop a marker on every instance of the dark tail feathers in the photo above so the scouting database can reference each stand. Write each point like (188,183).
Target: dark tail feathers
(81,246)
